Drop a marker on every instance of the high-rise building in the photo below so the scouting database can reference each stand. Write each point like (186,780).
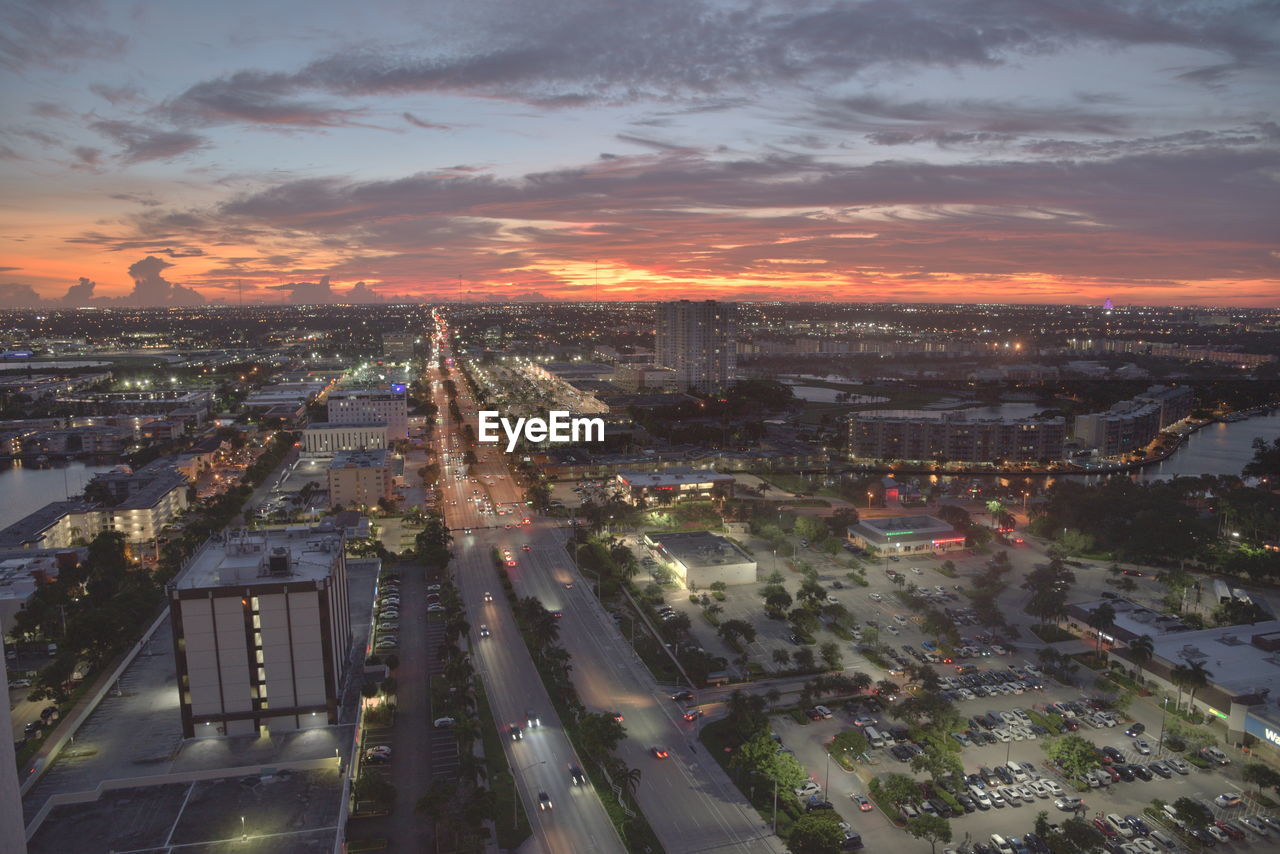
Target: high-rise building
(262,632)
(698,340)
(397,346)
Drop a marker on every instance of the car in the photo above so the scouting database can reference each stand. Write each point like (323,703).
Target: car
(617,716)
(1228,799)
(374,758)
(658,753)
(1179,766)
(1229,829)
(1162,769)
(576,777)
(33,727)
(1135,730)
(1142,746)
(1139,826)
(557,614)
(814,804)
(435,608)
(1068,803)
(909,811)
(488,597)
(864,803)
(822,710)
(682,695)
(526,547)
(692,714)
(813,714)
(484,630)
(1254,824)
(1214,755)
(1218,834)
(544,802)
(1104,827)
(516,732)
(531,718)
(443,723)
(805,790)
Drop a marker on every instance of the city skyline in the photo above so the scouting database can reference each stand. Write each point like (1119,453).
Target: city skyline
(902,152)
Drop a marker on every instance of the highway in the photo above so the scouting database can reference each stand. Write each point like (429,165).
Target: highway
(577,820)
(689,801)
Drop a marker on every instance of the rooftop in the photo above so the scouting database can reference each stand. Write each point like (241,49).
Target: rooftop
(700,548)
(354,425)
(31,528)
(893,526)
(1242,660)
(672,477)
(298,553)
(374,459)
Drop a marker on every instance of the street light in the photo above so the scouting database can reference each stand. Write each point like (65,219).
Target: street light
(515,794)
(243,833)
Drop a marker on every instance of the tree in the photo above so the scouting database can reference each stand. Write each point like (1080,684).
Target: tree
(1266,460)
(1190,677)
(831,657)
(804,658)
(816,833)
(733,630)
(1073,754)
(433,803)
(849,741)
(899,788)
(1101,619)
(374,787)
(1192,812)
(600,734)
(1260,775)
(773,695)
(1141,649)
(760,755)
(930,828)
(781,657)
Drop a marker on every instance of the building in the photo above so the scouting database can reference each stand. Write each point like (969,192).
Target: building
(323,439)
(13,825)
(1130,425)
(262,632)
(698,340)
(92,440)
(360,478)
(398,346)
(365,406)
(642,488)
(701,558)
(954,437)
(905,535)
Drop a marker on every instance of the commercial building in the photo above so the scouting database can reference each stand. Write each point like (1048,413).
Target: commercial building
(698,340)
(905,535)
(13,836)
(359,478)
(955,437)
(642,488)
(323,439)
(262,632)
(701,558)
(398,346)
(365,406)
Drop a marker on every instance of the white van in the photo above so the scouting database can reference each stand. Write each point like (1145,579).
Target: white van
(874,737)
(1004,846)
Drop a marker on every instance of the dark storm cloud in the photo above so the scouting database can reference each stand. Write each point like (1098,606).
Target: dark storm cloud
(565,53)
(55,34)
(151,288)
(139,143)
(79,294)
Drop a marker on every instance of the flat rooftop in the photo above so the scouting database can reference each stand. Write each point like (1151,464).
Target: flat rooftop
(354,425)
(243,558)
(672,477)
(1132,620)
(31,528)
(374,459)
(891,526)
(700,548)
(1229,654)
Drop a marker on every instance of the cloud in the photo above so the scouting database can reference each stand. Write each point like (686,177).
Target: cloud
(117,95)
(56,34)
(139,144)
(417,122)
(322,292)
(563,53)
(14,295)
(79,294)
(152,289)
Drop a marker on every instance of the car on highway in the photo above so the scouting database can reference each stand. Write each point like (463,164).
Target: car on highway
(544,802)
(531,718)
(484,630)
(658,753)
(617,716)
(692,714)
(488,597)
(863,802)
(682,695)
(576,777)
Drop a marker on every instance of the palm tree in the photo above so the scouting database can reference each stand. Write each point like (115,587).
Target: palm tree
(781,657)
(628,779)
(861,681)
(1102,618)
(1191,677)
(773,695)
(1141,649)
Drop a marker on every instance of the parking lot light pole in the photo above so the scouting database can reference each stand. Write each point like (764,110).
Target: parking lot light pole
(1164,708)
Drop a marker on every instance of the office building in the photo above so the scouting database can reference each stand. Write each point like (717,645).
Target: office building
(698,340)
(364,406)
(262,632)
(954,437)
(642,488)
(359,478)
(905,535)
(323,439)
(398,346)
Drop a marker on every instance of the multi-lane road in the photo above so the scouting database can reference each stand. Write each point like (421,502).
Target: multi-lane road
(688,800)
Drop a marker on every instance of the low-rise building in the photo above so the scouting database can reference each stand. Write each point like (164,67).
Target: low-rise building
(642,488)
(360,478)
(701,558)
(955,437)
(323,439)
(905,535)
(368,406)
(262,632)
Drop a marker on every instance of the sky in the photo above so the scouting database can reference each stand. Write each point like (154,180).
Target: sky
(1021,151)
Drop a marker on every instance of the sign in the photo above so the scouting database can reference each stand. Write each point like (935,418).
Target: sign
(1262,731)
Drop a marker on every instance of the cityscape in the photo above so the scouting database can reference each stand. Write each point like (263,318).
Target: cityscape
(705,426)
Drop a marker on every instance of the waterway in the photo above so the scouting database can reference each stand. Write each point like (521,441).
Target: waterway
(26,488)
(1221,448)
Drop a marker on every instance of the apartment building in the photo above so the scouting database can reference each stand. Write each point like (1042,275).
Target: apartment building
(398,346)
(954,437)
(262,632)
(698,340)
